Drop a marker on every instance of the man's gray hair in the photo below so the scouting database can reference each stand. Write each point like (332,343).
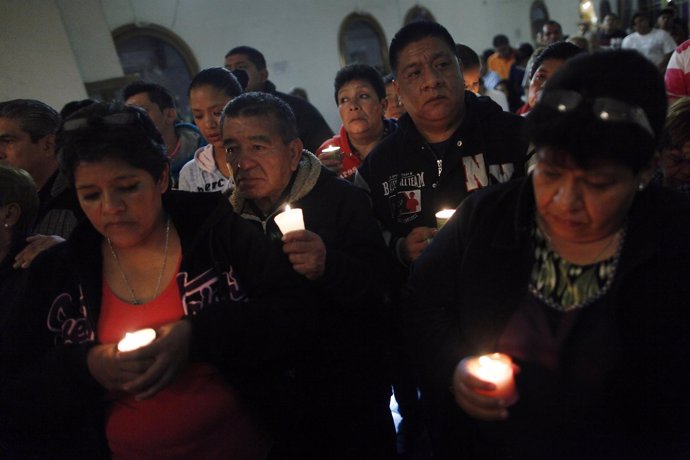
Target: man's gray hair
(34,117)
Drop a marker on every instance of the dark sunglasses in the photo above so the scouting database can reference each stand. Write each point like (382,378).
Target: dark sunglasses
(604,108)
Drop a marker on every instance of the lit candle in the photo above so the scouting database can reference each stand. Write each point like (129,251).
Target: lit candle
(290,220)
(137,339)
(496,368)
(330,151)
(443,216)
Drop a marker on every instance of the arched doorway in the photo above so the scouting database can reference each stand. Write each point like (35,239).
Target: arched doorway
(361,40)
(155,54)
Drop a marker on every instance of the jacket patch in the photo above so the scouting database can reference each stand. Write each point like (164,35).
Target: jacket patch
(205,290)
(475,172)
(502,173)
(69,321)
(408,179)
(406,205)
(236,293)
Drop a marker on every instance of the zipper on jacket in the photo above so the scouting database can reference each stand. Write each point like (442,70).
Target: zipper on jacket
(439,161)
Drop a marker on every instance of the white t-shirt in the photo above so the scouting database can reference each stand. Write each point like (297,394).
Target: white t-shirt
(654,45)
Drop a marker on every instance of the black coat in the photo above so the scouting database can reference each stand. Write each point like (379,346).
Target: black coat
(250,315)
(489,140)
(465,287)
(348,371)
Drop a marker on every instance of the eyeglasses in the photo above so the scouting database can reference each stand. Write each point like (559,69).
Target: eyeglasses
(604,108)
(115,119)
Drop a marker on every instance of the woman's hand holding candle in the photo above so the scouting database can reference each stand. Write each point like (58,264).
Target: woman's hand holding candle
(485,389)
(112,368)
(146,370)
(168,356)
(332,158)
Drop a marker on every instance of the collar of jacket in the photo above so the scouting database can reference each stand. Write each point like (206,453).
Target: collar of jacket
(476,109)
(308,172)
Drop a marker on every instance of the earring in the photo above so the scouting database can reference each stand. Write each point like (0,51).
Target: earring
(640,187)
(7,225)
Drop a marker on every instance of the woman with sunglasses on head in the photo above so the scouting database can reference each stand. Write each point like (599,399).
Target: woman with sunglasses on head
(579,273)
(182,264)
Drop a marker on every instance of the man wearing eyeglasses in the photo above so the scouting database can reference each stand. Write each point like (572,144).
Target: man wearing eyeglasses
(450,144)
(342,254)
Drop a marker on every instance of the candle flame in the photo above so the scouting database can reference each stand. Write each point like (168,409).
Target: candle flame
(486,360)
(287,207)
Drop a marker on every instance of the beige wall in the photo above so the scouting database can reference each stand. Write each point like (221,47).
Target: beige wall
(48,48)
(36,60)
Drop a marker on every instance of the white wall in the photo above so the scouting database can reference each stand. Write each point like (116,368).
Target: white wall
(36,60)
(90,39)
(298,37)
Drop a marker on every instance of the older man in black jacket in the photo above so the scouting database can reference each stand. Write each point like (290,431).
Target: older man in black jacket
(343,256)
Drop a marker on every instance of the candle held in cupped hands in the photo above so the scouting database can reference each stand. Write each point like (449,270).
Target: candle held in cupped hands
(137,339)
(496,368)
(290,220)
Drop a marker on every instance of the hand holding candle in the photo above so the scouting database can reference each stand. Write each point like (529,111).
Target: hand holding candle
(332,158)
(483,386)
(332,151)
(290,220)
(135,340)
(495,368)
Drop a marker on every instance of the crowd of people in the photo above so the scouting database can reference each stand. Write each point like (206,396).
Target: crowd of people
(564,263)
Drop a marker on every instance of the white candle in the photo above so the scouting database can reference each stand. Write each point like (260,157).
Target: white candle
(443,216)
(496,368)
(137,339)
(332,151)
(290,220)
(330,148)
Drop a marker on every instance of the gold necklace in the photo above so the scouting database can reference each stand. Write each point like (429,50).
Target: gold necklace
(136,301)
